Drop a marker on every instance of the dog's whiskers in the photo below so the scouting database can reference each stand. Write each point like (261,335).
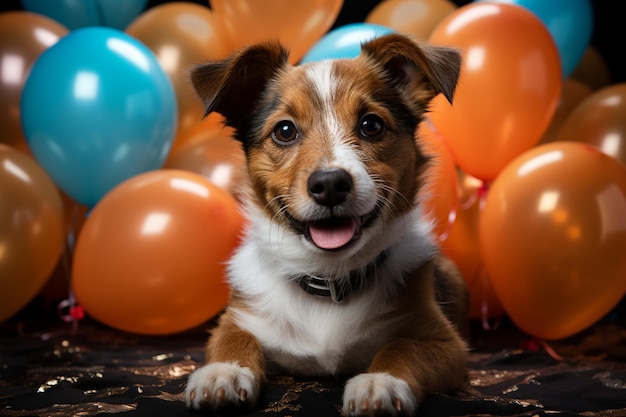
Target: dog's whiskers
(283,208)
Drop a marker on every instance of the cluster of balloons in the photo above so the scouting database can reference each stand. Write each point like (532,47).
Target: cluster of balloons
(528,195)
(540,225)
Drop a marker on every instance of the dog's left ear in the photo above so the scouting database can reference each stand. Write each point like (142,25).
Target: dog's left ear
(412,64)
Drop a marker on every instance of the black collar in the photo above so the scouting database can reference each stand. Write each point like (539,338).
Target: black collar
(326,287)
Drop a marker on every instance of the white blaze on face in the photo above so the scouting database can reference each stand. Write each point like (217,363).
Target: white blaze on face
(344,155)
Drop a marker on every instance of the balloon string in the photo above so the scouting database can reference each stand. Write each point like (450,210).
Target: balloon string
(481,193)
(451,220)
(484,305)
(550,351)
(68,310)
(467,204)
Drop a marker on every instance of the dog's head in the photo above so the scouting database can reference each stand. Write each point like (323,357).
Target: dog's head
(330,146)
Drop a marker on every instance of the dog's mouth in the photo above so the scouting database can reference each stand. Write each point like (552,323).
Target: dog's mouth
(334,233)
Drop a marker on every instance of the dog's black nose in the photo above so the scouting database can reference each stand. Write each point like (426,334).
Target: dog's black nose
(330,187)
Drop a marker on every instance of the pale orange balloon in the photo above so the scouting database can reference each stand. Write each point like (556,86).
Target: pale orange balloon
(508,90)
(218,157)
(297,24)
(181,35)
(441,181)
(417,18)
(461,245)
(31,229)
(600,120)
(150,258)
(553,235)
(23,37)
(212,124)
(592,69)
(573,93)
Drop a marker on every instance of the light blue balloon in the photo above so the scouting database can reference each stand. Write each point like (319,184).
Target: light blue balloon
(570,22)
(344,41)
(97,109)
(81,13)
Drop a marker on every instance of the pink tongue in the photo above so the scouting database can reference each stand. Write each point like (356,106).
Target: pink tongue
(335,236)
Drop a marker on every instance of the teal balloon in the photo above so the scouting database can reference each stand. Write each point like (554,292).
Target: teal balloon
(96,109)
(570,22)
(344,41)
(76,14)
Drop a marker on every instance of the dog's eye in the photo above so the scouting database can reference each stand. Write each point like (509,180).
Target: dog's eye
(371,126)
(284,133)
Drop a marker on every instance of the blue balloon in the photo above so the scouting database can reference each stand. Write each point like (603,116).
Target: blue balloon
(344,41)
(76,14)
(570,22)
(96,109)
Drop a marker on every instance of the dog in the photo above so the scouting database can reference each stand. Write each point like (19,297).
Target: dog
(338,272)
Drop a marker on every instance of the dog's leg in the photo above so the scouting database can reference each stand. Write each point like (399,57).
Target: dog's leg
(402,374)
(234,371)
(430,357)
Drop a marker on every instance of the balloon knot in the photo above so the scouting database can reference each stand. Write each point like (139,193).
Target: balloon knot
(69,311)
(483,189)
(77,312)
(536,345)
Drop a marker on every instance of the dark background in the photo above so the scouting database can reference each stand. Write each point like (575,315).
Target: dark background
(609,29)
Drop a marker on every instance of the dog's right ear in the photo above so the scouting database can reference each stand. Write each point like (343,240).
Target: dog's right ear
(233,86)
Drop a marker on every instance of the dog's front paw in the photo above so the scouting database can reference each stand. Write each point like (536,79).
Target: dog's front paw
(222,385)
(378,394)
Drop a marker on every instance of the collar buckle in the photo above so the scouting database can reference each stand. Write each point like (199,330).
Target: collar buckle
(328,288)
(321,287)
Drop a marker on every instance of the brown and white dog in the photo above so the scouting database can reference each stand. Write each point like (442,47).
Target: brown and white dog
(338,273)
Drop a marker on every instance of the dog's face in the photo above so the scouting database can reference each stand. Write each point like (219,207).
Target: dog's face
(330,146)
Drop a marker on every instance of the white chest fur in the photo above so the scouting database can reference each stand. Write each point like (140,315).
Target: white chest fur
(306,334)
(310,335)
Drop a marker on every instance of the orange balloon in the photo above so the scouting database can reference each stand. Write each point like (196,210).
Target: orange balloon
(217,158)
(462,247)
(441,190)
(181,35)
(150,257)
(553,238)
(211,125)
(509,86)
(600,120)
(297,24)
(592,70)
(417,18)
(31,229)
(573,93)
(23,37)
